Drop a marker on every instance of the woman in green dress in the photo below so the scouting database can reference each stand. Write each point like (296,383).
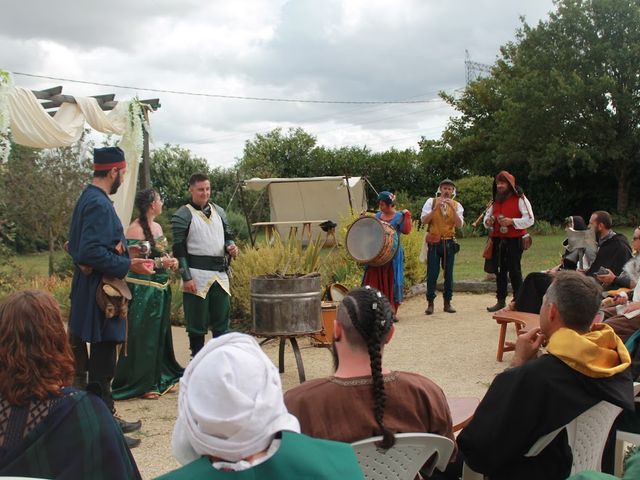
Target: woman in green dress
(147,366)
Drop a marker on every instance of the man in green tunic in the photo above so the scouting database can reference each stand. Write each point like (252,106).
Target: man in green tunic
(202,240)
(232,422)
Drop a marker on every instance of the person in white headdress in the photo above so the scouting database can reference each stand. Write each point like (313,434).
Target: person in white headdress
(232,421)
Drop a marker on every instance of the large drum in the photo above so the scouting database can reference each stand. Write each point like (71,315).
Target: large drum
(372,242)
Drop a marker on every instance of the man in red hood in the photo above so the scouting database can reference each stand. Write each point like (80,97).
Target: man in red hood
(508,219)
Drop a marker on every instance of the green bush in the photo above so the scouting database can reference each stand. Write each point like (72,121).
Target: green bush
(542,227)
(414,270)
(413,204)
(474,193)
(64,267)
(467,230)
(164,219)
(629,219)
(334,264)
(278,258)
(238,224)
(60,288)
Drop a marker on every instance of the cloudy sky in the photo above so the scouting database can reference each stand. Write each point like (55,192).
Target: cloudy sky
(329,50)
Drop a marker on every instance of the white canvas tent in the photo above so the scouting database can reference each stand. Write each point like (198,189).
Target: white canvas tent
(313,198)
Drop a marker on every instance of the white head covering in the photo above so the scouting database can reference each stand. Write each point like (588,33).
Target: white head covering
(230,403)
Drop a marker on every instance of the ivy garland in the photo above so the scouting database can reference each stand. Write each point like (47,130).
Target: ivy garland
(132,141)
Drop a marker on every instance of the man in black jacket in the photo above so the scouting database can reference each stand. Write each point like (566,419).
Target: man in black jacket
(584,365)
(613,248)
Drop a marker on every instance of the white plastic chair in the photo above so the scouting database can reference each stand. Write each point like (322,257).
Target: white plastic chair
(405,458)
(587,435)
(622,436)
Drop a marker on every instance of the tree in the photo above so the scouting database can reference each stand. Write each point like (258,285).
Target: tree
(561,104)
(275,154)
(42,188)
(171,166)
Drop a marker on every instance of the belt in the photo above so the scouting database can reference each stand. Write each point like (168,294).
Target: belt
(204,262)
(441,240)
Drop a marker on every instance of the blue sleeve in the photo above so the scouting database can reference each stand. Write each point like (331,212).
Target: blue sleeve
(93,249)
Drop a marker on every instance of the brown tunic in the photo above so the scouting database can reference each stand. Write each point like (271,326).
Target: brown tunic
(342,409)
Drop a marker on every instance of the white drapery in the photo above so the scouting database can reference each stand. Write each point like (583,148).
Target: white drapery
(32,126)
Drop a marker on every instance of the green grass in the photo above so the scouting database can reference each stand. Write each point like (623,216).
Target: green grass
(544,254)
(36,264)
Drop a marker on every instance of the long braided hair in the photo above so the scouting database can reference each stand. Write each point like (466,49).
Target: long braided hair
(372,317)
(144,199)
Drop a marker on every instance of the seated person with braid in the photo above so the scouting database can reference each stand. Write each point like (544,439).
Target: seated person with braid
(339,407)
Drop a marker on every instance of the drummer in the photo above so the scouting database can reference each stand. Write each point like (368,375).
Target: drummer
(389,278)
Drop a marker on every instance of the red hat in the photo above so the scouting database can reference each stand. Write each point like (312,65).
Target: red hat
(507,177)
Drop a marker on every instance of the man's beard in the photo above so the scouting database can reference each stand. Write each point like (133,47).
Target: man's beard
(334,356)
(115,185)
(502,196)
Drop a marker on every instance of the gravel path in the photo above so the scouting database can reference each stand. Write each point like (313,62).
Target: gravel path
(456,351)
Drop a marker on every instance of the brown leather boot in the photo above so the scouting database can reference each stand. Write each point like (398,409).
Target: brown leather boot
(429,310)
(448,308)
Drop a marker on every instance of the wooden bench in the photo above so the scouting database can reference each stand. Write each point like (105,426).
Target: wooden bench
(522,321)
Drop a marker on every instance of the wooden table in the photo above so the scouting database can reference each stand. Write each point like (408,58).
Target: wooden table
(521,320)
(462,410)
(269,228)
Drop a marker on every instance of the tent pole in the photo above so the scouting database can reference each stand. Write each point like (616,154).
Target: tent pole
(346,178)
(244,210)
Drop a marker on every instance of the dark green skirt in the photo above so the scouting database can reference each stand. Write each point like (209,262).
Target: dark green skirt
(148,363)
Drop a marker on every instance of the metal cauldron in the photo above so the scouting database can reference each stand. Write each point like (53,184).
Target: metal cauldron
(288,305)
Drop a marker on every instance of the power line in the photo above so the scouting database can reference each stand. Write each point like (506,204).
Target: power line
(318,132)
(229,97)
(360,109)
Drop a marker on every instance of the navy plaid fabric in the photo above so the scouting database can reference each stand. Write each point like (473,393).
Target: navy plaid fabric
(76,439)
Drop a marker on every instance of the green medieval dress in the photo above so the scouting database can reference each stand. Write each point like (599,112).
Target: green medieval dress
(148,363)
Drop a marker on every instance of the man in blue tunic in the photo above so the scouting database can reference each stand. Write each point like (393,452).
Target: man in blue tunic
(97,246)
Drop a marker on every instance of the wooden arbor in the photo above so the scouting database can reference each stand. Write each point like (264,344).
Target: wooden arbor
(52,98)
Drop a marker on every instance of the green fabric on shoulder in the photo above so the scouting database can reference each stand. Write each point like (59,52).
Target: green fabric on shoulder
(298,457)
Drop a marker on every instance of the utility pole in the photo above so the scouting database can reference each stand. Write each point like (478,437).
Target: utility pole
(474,70)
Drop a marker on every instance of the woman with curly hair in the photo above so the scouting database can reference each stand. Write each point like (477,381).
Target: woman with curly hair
(147,366)
(48,429)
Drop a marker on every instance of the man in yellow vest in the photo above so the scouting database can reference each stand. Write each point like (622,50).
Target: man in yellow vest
(443,215)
